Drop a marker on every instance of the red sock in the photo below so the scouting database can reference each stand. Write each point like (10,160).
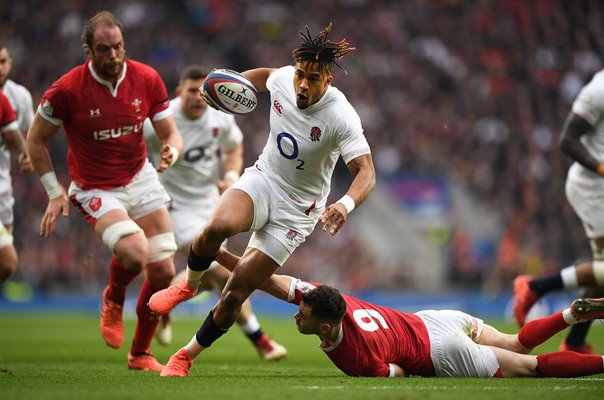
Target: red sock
(537,331)
(568,364)
(119,279)
(147,323)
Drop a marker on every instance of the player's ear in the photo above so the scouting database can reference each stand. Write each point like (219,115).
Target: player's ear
(325,327)
(178,90)
(87,51)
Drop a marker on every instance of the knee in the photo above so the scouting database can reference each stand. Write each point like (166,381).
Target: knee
(232,299)
(133,251)
(161,274)
(218,229)
(127,241)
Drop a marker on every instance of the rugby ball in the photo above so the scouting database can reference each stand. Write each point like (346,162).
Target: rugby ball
(230,92)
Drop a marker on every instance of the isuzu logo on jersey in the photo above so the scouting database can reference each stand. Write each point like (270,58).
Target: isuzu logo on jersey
(315,134)
(114,133)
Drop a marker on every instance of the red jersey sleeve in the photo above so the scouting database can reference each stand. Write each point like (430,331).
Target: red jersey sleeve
(54,101)
(7,115)
(159,94)
(298,288)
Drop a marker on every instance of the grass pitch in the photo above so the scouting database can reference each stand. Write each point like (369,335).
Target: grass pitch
(64,357)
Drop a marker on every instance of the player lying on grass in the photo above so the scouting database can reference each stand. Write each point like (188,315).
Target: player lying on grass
(364,339)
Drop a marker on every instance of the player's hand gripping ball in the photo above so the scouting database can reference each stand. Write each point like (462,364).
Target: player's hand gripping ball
(230,92)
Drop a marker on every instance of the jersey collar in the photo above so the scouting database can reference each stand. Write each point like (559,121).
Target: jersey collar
(100,80)
(326,347)
(323,101)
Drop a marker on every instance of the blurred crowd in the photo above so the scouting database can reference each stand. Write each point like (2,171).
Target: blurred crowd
(476,91)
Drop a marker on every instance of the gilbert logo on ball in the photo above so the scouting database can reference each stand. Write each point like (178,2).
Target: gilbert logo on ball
(231,92)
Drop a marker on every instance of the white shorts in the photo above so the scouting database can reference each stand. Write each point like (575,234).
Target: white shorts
(279,225)
(587,199)
(189,217)
(7,201)
(453,349)
(143,195)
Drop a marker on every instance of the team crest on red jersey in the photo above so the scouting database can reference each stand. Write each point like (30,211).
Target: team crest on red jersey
(315,134)
(95,204)
(278,107)
(137,105)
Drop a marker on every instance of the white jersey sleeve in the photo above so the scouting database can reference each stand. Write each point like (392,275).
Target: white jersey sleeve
(304,144)
(21,100)
(589,104)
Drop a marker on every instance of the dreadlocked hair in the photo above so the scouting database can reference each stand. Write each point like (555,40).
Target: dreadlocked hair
(321,50)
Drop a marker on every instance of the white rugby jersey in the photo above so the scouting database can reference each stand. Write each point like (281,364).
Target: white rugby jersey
(304,145)
(589,104)
(196,172)
(22,104)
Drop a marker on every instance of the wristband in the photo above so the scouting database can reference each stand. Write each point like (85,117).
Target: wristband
(174,152)
(348,202)
(231,175)
(51,185)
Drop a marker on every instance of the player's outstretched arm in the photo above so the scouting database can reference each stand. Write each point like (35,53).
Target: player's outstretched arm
(336,214)
(258,77)
(170,142)
(277,285)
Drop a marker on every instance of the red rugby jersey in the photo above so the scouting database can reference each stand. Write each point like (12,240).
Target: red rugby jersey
(374,336)
(104,125)
(7,115)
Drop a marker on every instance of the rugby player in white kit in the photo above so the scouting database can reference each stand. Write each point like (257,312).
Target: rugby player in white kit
(22,105)
(284,194)
(194,184)
(582,139)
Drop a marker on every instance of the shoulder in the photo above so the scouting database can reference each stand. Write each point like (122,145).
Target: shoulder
(215,117)
(17,89)
(72,80)
(283,74)
(139,68)
(344,114)
(175,104)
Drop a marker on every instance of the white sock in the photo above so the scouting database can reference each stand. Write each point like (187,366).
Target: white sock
(193,277)
(251,325)
(569,277)
(193,348)
(598,271)
(569,318)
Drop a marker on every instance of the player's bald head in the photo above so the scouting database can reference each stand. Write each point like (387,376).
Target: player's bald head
(103,18)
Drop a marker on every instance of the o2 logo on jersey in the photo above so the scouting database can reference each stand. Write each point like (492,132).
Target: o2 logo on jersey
(194,154)
(288,148)
(369,320)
